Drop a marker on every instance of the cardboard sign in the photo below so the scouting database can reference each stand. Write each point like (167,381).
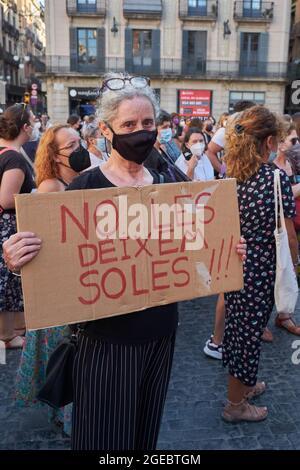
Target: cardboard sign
(77,276)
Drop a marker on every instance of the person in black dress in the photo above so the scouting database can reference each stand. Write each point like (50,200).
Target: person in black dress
(250,140)
(16,177)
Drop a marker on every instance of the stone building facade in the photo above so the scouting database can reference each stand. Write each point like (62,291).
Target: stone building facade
(201,55)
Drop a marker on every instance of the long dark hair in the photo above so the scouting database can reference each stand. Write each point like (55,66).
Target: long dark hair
(12,121)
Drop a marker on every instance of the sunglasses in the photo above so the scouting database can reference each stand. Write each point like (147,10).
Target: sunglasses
(295,140)
(24,106)
(116,84)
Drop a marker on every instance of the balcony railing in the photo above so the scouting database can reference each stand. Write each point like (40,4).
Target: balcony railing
(142,9)
(39,64)
(174,68)
(29,34)
(9,59)
(13,6)
(10,29)
(246,11)
(88,9)
(208,11)
(39,45)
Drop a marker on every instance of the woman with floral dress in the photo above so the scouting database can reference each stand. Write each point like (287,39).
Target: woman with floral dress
(250,140)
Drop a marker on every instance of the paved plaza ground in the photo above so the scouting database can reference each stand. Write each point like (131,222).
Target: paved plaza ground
(197,391)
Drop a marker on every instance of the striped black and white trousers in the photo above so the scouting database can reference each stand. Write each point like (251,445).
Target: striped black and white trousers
(119,393)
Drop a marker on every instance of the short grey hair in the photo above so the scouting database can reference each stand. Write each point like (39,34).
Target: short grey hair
(90,132)
(109,101)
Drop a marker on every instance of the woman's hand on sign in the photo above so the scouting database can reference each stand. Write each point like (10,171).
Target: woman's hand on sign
(20,249)
(241,249)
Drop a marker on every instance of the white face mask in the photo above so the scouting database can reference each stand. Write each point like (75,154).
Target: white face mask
(35,134)
(198,149)
(101,144)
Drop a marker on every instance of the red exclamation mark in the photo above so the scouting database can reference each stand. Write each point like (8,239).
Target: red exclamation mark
(212,262)
(229,255)
(220,258)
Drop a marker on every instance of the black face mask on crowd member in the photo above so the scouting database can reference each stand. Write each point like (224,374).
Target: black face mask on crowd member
(209,127)
(135,146)
(79,159)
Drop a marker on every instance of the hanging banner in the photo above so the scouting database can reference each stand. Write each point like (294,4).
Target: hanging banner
(195,103)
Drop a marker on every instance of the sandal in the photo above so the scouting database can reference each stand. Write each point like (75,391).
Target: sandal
(267,336)
(258,390)
(291,326)
(243,411)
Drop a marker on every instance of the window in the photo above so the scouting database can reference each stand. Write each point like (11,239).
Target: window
(235,96)
(87,46)
(142,49)
(197,7)
(252,8)
(86,6)
(254,54)
(194,51)
(250,47)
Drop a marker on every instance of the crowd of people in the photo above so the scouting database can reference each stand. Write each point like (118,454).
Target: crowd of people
(132,142)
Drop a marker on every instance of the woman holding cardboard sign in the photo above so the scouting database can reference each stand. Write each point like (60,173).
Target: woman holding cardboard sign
(123,363)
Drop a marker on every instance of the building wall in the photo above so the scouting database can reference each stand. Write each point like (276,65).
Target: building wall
(295,37)
(218,49)
(297,10)
(26,56)
(274,93)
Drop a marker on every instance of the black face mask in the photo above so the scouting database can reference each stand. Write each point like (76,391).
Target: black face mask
(79,160)
(209,127)
(134,147)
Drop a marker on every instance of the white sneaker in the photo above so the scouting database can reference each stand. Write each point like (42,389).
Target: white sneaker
(213,350)
(15,343)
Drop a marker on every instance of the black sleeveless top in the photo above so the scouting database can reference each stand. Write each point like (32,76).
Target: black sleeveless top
(134,327)
(11,160)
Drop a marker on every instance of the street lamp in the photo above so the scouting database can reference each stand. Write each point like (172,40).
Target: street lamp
(5,78)
(114,28)
(17,59)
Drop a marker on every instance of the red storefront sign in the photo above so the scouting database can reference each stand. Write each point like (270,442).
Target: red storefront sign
(195,103)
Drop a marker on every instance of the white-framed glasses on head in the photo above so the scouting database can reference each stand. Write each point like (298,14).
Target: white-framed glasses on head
(116,84)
